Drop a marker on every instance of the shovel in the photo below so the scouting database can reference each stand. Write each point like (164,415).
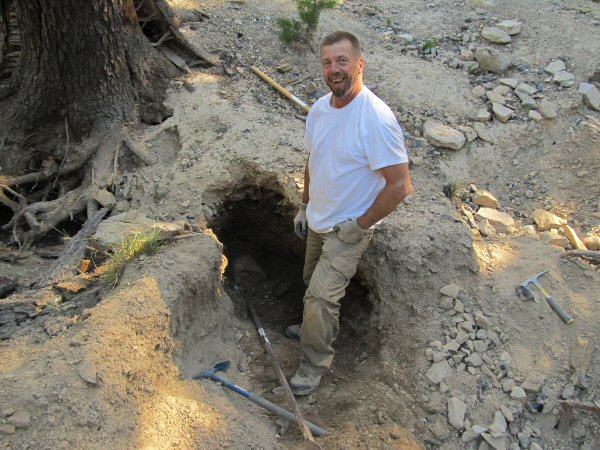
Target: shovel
(271,407)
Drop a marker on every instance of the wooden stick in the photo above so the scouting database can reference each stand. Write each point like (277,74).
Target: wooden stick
(586,254)
(580,405)
(308,437)
(280,88)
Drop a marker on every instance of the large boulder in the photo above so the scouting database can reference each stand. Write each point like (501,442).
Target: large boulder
(442,135)
(112,231)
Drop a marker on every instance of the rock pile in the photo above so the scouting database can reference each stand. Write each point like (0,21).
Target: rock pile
(472,348)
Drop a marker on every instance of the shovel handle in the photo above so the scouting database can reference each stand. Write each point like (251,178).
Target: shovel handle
(284,414)
(566,318)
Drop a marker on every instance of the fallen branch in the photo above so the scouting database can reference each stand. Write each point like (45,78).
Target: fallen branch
(586,254)
(580,405)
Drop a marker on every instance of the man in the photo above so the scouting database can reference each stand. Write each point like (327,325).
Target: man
(357,173)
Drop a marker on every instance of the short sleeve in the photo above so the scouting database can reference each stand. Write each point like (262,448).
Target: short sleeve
(383,141)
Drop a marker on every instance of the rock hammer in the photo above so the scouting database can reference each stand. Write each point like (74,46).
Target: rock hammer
(524,292)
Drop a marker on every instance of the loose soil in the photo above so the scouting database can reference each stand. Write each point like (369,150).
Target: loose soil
(112,369)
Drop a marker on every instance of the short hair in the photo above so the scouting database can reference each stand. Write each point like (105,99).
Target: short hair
(339,36)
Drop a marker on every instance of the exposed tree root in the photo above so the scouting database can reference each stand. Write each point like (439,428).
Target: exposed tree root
(32,220)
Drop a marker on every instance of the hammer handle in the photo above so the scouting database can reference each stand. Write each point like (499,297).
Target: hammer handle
(566,318)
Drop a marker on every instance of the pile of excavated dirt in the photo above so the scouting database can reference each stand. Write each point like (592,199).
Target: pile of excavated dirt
(435,349)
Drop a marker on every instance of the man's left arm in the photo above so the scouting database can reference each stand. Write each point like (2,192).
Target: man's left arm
(397,187)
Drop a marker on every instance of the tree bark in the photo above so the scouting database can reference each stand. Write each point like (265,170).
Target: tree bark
(85,71)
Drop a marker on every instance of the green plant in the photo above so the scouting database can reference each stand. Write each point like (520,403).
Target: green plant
(146,242)
(453,189)
(301,30)
(430,43)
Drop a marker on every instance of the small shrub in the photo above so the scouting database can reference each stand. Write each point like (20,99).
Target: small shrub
(309,11)
(430,44)
(145,242)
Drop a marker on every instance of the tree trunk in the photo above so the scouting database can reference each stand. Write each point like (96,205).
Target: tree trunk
(85,70)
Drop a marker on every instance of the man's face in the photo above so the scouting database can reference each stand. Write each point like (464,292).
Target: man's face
(342,69)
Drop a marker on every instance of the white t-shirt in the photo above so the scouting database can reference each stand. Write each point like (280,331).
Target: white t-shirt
(347,145)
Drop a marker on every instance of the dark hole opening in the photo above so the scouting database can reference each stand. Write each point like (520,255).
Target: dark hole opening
(265,260)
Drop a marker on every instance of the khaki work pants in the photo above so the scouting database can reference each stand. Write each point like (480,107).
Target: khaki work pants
(328,267)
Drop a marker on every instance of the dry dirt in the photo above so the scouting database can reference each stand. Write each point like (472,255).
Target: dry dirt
(230,162)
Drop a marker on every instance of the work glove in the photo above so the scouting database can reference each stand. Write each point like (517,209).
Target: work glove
(350,231)
(300,223)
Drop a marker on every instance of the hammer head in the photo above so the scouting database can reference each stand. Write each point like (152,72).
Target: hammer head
(208,373)
(523,290)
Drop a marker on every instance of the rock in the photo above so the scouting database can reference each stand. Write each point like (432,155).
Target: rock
(439,428)
(311,89)
(545,220)
(591,95)
(105,198)
(481,3)
(508,384)
(483,115)
(502,222)
(122,206)
(497,443)
(508,415)
(502,90)
(535,116)
(568,392)
(511,82)
(518,393)
(469,132)
(478,91)
(592,242)
(404,38)
(446,302)
(482,131)
(482,321)
(495,35)
(480,346)
(501,112)
(20,419)
(451,346)
(88,372)
(112,231)
(7,429)
(564,78)
(495,97)
(450,290)
(366,11)
(548,109)
(456,412)
(533,382)
(526,100)
(466,55)
(461,337)
(535,446)
(492,60)
(442,135)
(570,234)
(580,354)
(498,427)
(511,27)
(474,360)
(525,88)
(438,371)
(473,433)
(555,66)
(459,307)
(485,228)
